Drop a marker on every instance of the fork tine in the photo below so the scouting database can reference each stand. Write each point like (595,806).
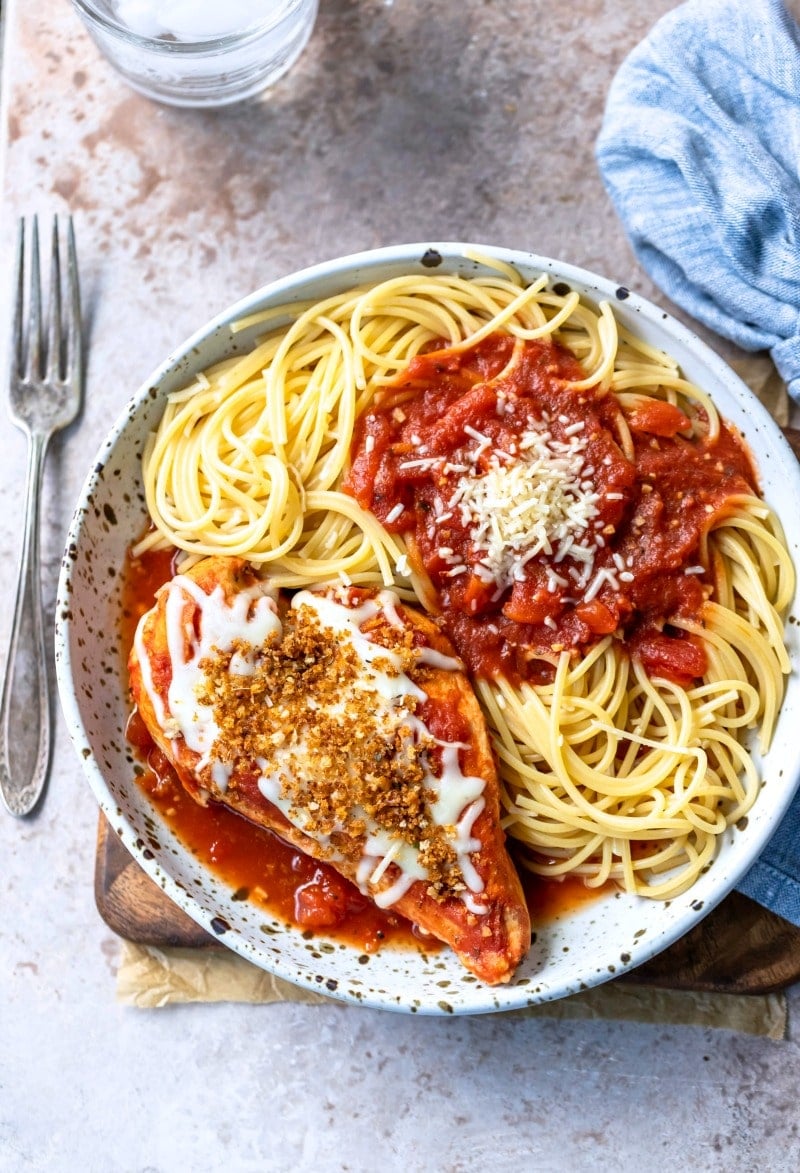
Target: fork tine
(33,367)
(54,341)
(17,345)
(74,370)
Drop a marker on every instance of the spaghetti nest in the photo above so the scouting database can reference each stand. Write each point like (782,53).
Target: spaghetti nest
(607,772)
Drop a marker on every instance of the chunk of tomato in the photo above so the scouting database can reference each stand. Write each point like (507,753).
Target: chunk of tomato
(597,617)
(531,604)
(657,418)
(321,901)
(677,659)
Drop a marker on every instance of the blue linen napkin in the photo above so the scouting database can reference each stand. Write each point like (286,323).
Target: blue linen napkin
(700,153)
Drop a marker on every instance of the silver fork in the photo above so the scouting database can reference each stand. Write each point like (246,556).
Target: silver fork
(45,394)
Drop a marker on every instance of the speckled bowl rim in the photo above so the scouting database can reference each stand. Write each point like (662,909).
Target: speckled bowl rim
(397,980)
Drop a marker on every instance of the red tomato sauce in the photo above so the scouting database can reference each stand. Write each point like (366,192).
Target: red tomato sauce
(457,411)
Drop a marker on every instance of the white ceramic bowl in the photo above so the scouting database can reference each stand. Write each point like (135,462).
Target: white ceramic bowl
(578,950)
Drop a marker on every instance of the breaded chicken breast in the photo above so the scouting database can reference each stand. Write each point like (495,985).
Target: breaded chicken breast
(340,719)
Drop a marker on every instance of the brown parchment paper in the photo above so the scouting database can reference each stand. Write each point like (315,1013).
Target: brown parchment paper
(151,978)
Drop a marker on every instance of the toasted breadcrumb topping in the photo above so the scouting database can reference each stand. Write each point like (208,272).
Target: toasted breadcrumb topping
(307,714)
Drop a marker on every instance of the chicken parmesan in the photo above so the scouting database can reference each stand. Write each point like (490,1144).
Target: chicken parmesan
(342,720)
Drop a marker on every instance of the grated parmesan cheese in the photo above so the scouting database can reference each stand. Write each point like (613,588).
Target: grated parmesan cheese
(536,502)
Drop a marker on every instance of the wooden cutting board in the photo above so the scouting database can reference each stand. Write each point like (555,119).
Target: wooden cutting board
(739,948)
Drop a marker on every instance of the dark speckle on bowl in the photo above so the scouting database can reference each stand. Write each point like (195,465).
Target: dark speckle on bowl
(431,259)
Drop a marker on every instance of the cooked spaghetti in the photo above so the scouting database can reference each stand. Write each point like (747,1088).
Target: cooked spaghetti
(587,529)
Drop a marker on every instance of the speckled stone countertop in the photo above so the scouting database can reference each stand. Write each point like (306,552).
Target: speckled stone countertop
(402,121)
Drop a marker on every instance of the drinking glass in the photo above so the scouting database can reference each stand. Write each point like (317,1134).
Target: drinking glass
(199,52)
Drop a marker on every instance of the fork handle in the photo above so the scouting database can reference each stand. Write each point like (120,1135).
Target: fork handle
(25,734)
